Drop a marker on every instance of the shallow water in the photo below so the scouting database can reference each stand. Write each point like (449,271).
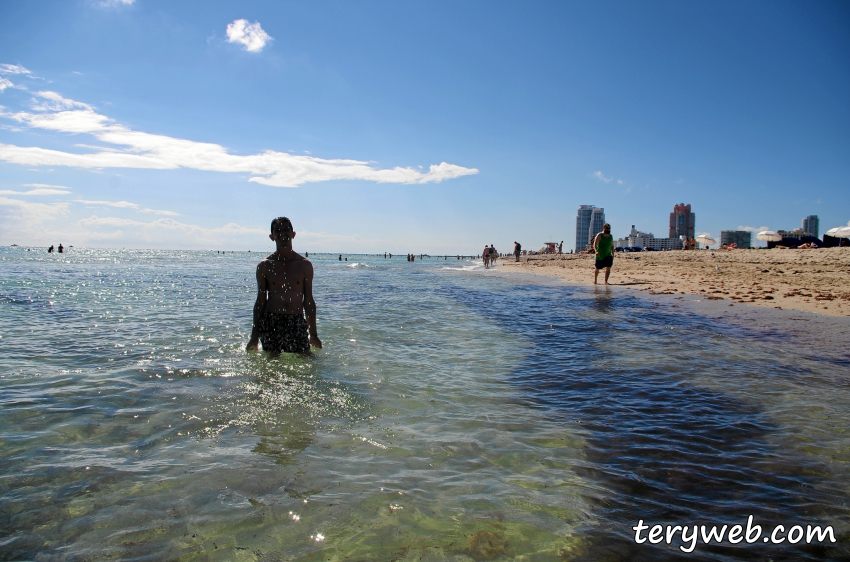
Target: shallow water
(454,413)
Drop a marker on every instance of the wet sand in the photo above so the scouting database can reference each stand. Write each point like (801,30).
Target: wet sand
(808,280)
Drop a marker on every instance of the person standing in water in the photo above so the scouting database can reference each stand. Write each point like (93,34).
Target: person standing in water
(284,295)
(603,243)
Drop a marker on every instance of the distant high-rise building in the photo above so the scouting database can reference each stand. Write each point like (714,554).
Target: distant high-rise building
(682,221)
(741,238)
(597,219)
(811,224)
(589,221)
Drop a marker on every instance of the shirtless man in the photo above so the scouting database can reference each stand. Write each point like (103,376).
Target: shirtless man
(284,294)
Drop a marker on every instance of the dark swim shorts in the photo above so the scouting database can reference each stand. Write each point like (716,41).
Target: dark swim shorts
(605,262)
(284,333)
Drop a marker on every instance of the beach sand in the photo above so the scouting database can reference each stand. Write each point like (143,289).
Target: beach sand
(810,280)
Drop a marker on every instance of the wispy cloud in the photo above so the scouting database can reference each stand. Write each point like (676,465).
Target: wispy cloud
(5,84)
(600,176)
(145,150)
(17,211)
(13,69)
(164,229)
(126,205)
(753,228)
(48,190)
(115,3)
(46,185)
(250,35)
(51,101)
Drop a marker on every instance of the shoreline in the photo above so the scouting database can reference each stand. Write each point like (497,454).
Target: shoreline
(802,280)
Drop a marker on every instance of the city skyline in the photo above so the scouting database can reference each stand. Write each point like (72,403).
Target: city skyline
(416,128)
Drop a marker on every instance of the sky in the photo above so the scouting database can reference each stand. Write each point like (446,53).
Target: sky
(422,127)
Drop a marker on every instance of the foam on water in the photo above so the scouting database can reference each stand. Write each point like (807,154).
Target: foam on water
(455,412)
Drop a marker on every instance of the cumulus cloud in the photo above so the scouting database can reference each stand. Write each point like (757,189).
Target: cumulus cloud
(126,205)
(250,35)
(151,151)
(600,176)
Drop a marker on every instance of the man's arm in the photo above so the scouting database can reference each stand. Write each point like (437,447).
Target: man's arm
(310,306)
(259,306)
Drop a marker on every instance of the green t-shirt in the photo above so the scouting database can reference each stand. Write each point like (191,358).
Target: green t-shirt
(604,247)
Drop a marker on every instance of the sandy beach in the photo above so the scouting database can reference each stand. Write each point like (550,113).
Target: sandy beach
(808,280)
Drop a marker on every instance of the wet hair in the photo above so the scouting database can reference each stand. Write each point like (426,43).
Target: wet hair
(283,221)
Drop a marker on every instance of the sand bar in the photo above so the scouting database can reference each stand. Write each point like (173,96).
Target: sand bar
(810,280)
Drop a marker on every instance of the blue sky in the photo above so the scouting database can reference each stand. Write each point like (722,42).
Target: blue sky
(416,126)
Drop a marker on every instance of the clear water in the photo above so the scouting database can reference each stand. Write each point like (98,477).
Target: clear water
(454,413)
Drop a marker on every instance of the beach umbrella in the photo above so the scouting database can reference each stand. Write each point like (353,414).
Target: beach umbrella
(832,231)
(768,236)
(705,239)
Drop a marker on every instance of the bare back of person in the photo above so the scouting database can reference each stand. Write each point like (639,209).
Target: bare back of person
(283,281)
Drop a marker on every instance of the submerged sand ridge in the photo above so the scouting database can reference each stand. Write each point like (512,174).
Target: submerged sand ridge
(810,280)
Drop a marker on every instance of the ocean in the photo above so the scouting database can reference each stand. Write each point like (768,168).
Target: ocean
(455,413)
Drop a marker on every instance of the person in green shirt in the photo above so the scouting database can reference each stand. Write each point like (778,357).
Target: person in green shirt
(603,243)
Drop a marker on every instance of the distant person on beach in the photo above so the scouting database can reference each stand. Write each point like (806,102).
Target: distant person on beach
(517,249)
(284,295)
(603,243)
(485,256)
(50,249)
(561,247)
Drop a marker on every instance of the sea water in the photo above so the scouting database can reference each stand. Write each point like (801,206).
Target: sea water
(453,413)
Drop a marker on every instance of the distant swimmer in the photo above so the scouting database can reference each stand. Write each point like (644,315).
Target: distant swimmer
(60,248)
(284,295)
(50,249)
(340,257)
(603,243)
(306,254)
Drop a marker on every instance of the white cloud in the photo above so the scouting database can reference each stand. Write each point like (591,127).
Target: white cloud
(17,211)
(113,3)
(13,69)
(51,101)
(46,185)
(600,176)
(145,150)
(127,205)
(753,228)
(163,230)
(5,84)
(250,35)
(38,191)
(620,182)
